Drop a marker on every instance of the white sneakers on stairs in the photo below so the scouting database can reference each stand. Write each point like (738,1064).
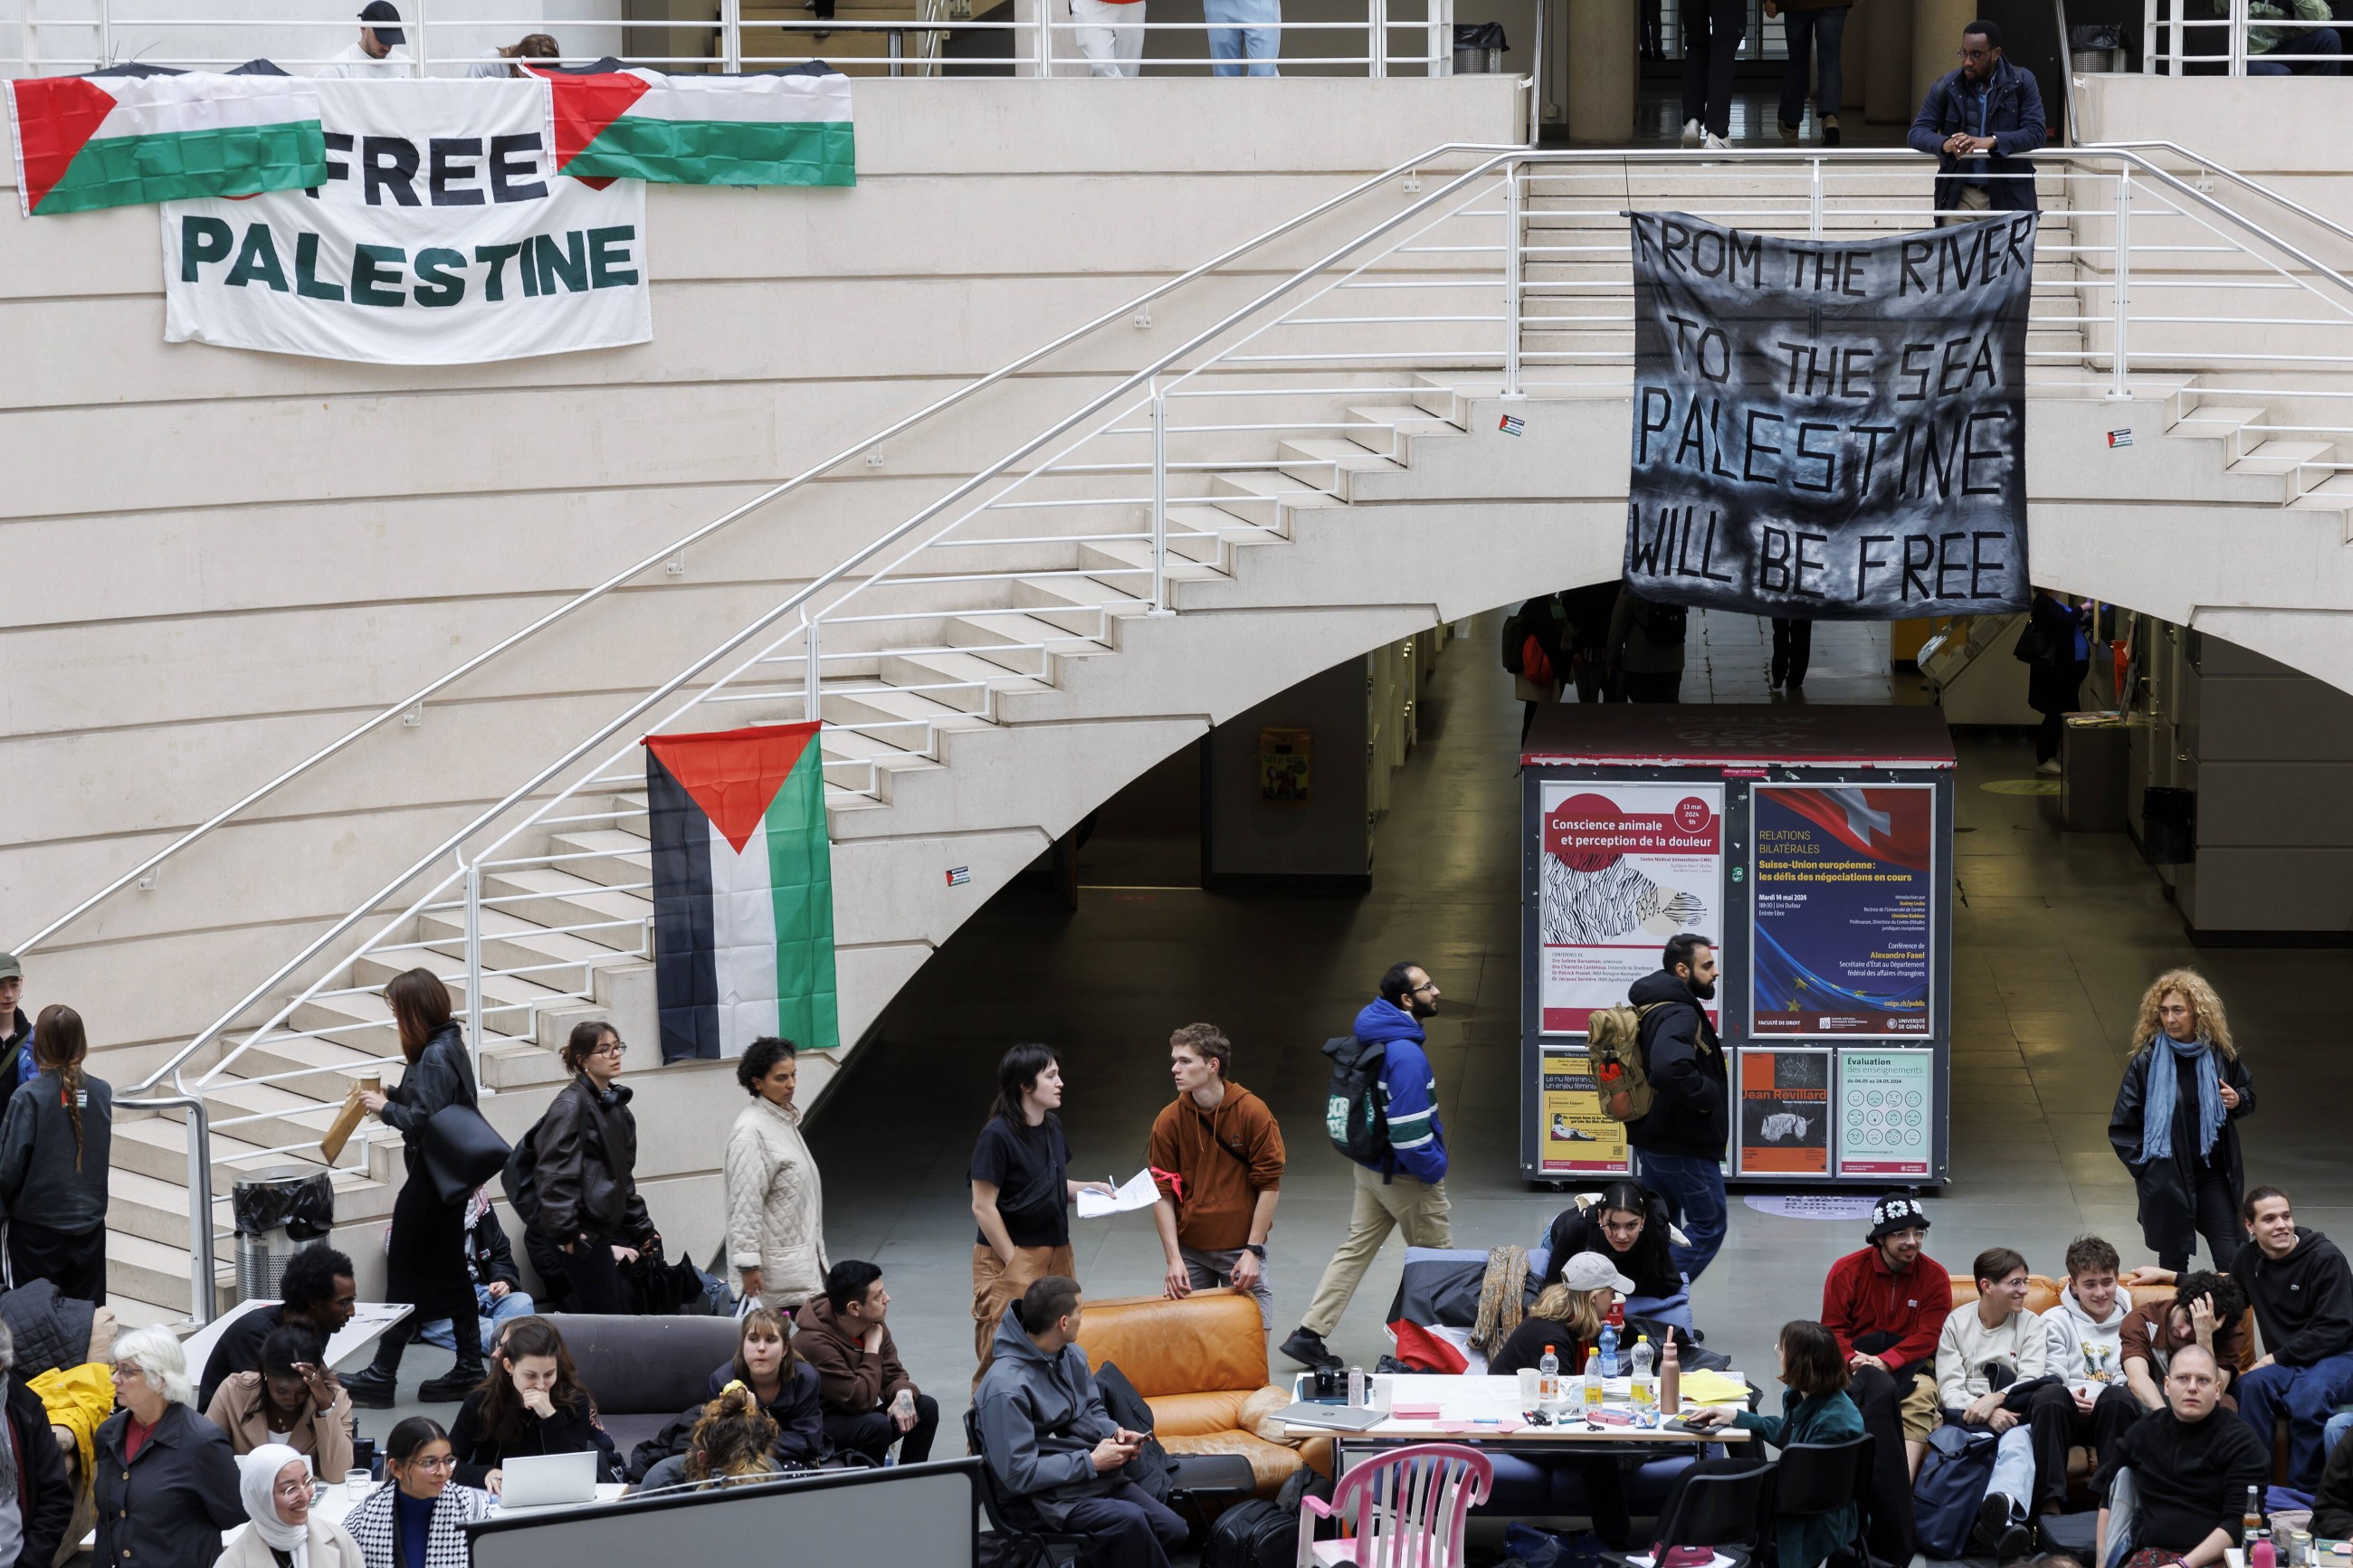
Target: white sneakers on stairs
(1698,135)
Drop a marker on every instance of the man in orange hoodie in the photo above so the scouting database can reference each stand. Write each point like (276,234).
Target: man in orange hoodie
(1217,1158)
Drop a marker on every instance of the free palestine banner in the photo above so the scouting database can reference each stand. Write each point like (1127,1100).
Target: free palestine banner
(743,890)
(82,143)
(1829,429)
(439,235)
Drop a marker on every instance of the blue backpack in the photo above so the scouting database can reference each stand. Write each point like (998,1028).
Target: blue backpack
(1953,1480)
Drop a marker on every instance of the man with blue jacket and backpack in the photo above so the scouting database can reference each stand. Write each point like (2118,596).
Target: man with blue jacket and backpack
(1383,1115)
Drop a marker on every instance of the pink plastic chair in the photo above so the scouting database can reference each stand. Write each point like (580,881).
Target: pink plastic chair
(1408,1509)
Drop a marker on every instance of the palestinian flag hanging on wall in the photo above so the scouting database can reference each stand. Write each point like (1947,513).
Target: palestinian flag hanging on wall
(84,143)
(743,890)
(640,124)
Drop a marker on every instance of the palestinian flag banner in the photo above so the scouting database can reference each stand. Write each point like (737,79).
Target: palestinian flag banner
(640,124)
(743,890)
(84,143)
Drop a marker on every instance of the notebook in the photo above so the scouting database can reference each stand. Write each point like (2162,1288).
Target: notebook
(547,1480)
(1340,1418)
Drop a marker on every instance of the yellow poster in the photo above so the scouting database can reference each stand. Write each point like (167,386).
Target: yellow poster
(1576,1136)
(1285,765)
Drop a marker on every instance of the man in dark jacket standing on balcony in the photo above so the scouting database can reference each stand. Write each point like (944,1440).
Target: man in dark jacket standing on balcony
(1977,120)
(1679,1146)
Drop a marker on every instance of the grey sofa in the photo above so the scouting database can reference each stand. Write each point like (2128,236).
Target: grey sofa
(644,1371)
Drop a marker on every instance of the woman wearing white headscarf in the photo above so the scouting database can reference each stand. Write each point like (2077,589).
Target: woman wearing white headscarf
(275,1482)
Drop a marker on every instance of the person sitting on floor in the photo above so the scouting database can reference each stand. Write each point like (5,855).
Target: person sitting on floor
(788,1387)
(2085,1336)
(2208,1310)
(1987,1347)
(1814,1409)
(1627,1226)
(2189,1468)
(1053,1447)
(293,1400)
(533,1402)
(729,1442)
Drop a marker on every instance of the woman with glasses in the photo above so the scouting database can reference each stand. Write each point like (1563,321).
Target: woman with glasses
(587,1154)
(1627,1226)
(275,1482)
(419,1519)
(162,1478)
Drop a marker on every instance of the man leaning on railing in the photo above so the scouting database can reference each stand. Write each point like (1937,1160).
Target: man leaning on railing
(1977,119)
(2290,42)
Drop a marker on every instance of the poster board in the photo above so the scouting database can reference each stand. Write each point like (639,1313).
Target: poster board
(1842,912)
(1887,1112)
(1622,866)
(1782,1120)
(1574,1137)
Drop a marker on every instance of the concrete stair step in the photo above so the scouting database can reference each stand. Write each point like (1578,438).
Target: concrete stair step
(907,719)
(157,1147)
(2291,460)
(510,942)
(550,896)
(1258,496)
(612,855)
(2334,493)
(155,1272)
(858,761)
(1332,465)
(1082,606)
(1387,431)
(955,679)
(1022,644)
(1124,558)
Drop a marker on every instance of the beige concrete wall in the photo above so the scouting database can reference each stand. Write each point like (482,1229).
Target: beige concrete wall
(216,561)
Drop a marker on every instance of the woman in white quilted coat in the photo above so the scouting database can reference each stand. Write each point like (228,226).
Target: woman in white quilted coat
(776,1203)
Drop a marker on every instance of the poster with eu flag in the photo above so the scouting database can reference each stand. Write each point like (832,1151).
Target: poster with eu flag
(1844,886)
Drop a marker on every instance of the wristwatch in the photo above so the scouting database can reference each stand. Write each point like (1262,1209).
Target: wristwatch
(1256,1249)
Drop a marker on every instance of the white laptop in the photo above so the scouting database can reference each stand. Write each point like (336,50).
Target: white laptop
(547,1480)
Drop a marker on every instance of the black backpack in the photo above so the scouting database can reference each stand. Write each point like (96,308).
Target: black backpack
(521,1178)
(1356,1108)
(1252,1534)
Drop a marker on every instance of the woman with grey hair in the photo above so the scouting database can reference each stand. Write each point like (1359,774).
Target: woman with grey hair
(166,1484)
(37,1500)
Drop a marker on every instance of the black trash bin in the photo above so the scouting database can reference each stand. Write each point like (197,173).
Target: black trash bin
(275,1212)
(1478,48)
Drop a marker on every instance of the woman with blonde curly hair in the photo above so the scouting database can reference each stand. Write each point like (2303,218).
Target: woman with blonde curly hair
(2176,1121)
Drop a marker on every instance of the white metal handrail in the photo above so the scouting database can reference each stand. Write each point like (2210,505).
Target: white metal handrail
(675,550)
(2226,40)
(1445,222)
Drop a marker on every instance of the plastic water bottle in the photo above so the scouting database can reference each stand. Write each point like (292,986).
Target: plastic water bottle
(1593,1389)
(1645,1393)
(1608,1351)
(1548,1382)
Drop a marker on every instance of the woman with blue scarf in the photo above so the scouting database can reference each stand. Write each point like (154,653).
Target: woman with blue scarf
(2176,1123)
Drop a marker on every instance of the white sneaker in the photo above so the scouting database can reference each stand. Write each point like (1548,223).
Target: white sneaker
(2050,767)
(1692,132)
(1715,143)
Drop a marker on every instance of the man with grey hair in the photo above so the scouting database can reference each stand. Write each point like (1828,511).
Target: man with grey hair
(36,1504)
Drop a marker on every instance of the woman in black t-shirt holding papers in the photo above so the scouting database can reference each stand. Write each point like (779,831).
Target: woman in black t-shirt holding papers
(1021,1192)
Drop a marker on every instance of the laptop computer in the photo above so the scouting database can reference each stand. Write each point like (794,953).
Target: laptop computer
(547,1480)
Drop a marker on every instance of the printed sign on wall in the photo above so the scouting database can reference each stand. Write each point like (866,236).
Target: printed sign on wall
(1785,1112)
(1886,1113)
(1620,867)
(1576,1136)
(1844,885)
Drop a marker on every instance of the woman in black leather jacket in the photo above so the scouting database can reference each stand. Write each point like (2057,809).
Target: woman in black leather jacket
(587,1148)
(426,1264)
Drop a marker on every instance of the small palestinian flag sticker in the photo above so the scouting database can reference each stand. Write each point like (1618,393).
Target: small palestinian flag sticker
(1511,424)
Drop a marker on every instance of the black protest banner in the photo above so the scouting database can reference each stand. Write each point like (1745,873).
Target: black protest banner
(1829,428)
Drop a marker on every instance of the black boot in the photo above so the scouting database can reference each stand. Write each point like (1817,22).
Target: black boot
(452,1386)
(371,1390)
(1307,1348)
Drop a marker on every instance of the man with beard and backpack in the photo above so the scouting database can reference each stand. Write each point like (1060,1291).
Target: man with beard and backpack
(1383,1114)
(1679,1145)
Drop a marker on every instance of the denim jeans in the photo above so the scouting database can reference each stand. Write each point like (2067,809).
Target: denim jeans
(2310,41)
(2307,1396)
(1692,1189)
(2013,1471)
(1231,43)
(1823,30)
(513,1304)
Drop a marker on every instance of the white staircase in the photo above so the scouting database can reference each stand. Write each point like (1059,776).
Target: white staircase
(1333,480)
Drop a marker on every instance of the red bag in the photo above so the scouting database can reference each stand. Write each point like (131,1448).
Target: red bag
(1535,665)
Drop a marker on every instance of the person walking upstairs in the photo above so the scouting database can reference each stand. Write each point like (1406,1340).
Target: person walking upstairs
(1403,1186)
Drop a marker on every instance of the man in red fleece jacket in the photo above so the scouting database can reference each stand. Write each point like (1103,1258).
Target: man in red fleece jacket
(1886,1305)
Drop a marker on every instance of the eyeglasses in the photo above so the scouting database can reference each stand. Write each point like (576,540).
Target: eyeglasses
(293,1489)
(1425,986)
(446,1462)
(610,1048)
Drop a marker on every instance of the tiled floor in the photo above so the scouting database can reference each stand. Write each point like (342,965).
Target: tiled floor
(1755,120)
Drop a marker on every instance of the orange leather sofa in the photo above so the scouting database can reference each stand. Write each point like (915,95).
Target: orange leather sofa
(1200,1364)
